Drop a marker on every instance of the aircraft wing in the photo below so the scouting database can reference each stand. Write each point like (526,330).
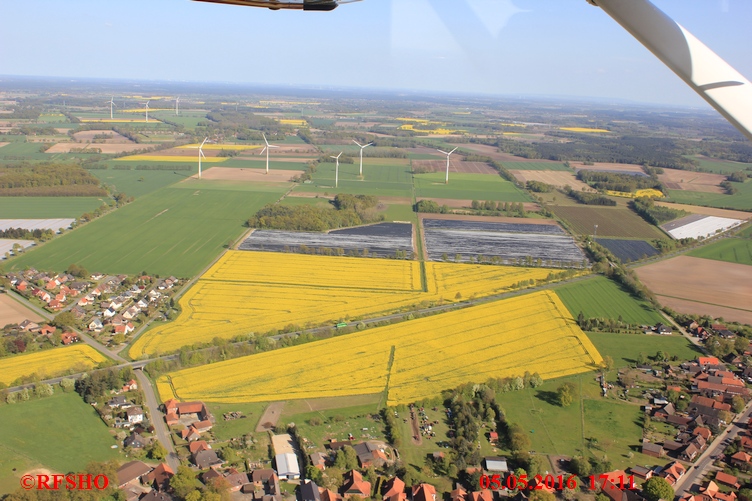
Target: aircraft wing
(727,90)
(284,4)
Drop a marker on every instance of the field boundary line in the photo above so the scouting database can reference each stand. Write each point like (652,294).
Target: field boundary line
(703,302)
(385,393)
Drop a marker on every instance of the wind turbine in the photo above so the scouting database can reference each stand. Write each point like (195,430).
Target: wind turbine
(361,154)
(112,103)
(336,170)
(446,181)
(201,154)
(266,149)
(147,110)
(177,103)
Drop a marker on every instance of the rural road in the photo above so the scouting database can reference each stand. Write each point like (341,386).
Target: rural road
(157,419)
(691,480)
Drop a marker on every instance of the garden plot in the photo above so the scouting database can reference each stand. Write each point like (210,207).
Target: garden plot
(699,225)
(508,241)
(35,224)
(383,239)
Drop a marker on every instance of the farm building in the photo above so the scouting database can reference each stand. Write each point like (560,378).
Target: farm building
(287,466)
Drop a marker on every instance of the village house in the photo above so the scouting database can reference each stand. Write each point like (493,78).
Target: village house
(135,415)
(68,337)
(354,485)
(394,490)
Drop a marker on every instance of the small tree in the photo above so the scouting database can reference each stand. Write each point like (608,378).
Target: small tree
(657,488)
(157,451)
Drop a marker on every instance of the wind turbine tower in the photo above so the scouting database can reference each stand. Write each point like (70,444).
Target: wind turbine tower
(201,154)
(446,181)
(177,106)
(336,170)
(361,154)
(147,110)
(112,103)
(266,149)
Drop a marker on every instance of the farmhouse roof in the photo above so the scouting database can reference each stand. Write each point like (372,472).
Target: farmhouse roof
(354,484)
(725,478)
(309,491)
(262,475)
(131,471)
(190,407)
(424,492)
(394,488)
(206,458)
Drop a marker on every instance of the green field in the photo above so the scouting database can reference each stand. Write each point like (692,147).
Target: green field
(137,183)
(741,200)
(30,151)
(172,231)
(399,212)
(46,207)
(295,201)
(600,297)
(535,166)
(468,187)
(384,180)
(188,119)
(719,166)
(61,433)
(731,250)
(553,429)
(625,349)
(611,221)
(258,162)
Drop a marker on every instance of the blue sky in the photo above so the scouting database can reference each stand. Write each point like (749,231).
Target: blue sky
(529,47)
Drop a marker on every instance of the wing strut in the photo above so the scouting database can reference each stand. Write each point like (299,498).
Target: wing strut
(727,90)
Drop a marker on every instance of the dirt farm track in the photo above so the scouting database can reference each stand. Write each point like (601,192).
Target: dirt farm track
(696,285)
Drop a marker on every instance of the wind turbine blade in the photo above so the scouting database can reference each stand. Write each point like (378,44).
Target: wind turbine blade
(202,153)
(369,144)
(272,146)
(267,142)
(453,150)
(202,144)
(444,152)
(354,141)
(262,152)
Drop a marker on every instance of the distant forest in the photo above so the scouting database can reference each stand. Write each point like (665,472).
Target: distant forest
(48,179)
(656,152)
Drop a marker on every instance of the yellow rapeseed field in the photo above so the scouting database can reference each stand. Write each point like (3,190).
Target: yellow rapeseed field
(169,158)
(255,292)
(639,193)
(292,121)
(534,332)
(49,363)
(583,129)
(237,147)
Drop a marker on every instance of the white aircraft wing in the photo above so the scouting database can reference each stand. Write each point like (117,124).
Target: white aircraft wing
(727,90)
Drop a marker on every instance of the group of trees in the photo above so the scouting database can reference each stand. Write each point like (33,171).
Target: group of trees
(94,386)
(352,210)
(48,179)
(589,198)
(654,214)
(614,181)
(608,264)
(539,187)
(22,234)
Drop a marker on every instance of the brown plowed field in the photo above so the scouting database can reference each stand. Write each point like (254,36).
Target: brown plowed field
(454,166)
(494,153)
(247,175)
(558,178)
(88,136)
(489,219)
(103,147)
(607,167)
(12,312)
(708,211)
(692,181)
(696,285)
